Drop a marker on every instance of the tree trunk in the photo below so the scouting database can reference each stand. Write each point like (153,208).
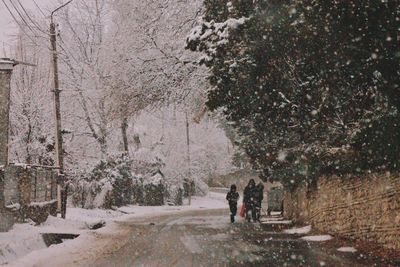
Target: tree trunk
(124,128)
(103,147)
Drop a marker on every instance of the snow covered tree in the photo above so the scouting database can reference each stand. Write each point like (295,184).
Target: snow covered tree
(81,44)
(149,66)
(32,138)
(164,133)
(115,64)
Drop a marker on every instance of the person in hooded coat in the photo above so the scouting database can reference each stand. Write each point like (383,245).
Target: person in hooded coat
(258,198)
(248,199)
(233,198)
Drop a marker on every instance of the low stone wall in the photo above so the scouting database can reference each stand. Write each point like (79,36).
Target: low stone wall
(362,208)
(6,217)
(26,192)
(38,212)
(25,184)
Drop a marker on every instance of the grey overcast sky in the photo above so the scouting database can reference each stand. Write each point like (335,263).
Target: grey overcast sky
(7,25)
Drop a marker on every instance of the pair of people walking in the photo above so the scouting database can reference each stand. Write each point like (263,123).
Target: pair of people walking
(252,197)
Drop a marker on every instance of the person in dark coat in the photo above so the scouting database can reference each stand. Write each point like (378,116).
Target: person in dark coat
(233,198)
(248,199)
(258,198)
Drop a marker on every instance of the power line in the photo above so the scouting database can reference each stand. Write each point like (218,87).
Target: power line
(25,22)
(41,11)
(23,19)
(18,23)
(37,26)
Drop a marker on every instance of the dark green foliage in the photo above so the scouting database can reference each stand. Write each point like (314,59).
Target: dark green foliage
(303,78)
(154,194)
(188,187)
(380,137)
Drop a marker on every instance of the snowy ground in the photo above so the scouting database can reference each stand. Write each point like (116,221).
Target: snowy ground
(347,249)
(317,238)
(199,235)
(24,246)
(300,230)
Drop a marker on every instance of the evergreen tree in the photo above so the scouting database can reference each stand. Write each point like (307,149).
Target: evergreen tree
(299,80)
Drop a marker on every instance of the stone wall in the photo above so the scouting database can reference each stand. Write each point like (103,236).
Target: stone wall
(362,208)
(23,190)
(6,217)
(5,76)
(25,184)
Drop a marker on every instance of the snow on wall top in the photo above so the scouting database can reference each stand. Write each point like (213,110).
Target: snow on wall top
(6,64)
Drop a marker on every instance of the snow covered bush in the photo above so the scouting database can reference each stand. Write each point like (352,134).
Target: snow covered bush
(154,190)
(108,184)
(122,180)
(174,195)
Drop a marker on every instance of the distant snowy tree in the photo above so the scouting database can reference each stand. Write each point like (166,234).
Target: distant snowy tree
(114,64)
(149,66)
(81,39)
(210,150)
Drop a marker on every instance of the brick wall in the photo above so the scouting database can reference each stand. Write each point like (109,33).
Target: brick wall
(364,208)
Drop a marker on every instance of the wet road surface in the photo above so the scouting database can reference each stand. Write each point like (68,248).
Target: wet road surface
(208,239)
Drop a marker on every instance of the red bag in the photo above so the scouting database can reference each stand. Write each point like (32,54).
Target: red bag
(243,210)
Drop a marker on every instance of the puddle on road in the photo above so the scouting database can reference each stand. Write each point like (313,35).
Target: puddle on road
(55,238)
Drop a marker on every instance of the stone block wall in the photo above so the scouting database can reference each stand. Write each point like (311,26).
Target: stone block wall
(6,217)
(362,208)
(23,192)
(295,204)
(24,184)
(11,192)
(5,77)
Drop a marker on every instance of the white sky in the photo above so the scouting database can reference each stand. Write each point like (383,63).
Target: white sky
(7,25)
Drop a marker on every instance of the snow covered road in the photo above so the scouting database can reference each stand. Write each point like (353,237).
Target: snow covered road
(206,238)
(200,235)
(23,246)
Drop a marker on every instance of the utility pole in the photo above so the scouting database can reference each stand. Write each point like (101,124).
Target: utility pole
(61,192)
(188,159)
